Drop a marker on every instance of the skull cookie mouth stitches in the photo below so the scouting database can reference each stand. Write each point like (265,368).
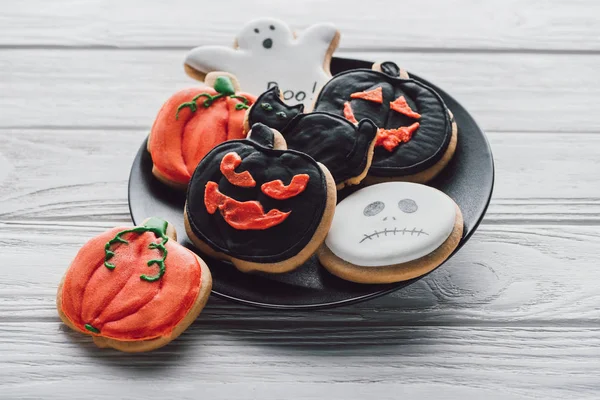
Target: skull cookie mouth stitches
(394,231)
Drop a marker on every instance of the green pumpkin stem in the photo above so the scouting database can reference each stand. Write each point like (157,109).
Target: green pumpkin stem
(224,87)
(154,225)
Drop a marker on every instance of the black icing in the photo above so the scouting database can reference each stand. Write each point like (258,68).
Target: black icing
(334,141)
(330,139)
(428,143)
(268,110)
(262,135)
(390,68)
(275,244)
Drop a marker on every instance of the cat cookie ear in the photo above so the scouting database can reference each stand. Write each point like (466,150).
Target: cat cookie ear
(390,68)
(212,77)
(274,93)
(267,137)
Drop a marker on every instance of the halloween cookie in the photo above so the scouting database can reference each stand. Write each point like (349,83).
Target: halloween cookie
(191,123)
(417,134)
(391,232)
(260,206)
(344,148)
(267,53)
(134,289)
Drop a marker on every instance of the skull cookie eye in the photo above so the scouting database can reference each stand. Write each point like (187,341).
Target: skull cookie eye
(408,206)
(373,209)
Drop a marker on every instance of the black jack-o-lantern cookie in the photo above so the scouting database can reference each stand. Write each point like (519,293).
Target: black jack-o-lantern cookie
(344,148)
(391,232)
(259,205)
(417,134)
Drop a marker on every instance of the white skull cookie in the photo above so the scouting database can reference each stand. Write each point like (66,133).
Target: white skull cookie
(267,53)
(390,232)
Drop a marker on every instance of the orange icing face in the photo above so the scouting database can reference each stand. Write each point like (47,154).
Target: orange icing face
(180,138)
(116,301)
(278,191)
(391,138)
(348,113)
(228,165)
(401,106)
(386,138)
(246,215)
(375,95)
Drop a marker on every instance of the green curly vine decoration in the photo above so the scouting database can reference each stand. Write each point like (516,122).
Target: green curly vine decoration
(224,87)
(154,225)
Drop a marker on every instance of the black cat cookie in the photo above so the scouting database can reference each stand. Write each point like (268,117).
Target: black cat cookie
(417,133)
(345,148)
(258,204)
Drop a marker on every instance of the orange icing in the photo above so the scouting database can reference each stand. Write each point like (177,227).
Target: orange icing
(400,105)
(375,95)
(278,191)
(178,145)
(118,302)
(247,215)
(348,113)
(391,138)
(228,165)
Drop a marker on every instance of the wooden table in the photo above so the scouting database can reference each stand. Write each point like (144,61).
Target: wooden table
(514,315)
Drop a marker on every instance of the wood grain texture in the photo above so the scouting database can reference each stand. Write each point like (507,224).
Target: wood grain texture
(109,88)
(344,363)
(460,25)
(484,320)
(513,315)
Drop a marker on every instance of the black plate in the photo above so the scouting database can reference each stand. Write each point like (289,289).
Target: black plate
(468,179)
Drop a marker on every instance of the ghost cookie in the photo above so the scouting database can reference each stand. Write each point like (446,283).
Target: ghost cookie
(417,134)
(191,123)
(391,232)
(267,53)
(260,206)
(344,148)
(134,289)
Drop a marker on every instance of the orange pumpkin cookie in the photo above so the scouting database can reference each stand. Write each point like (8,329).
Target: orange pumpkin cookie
(192,122)
(134,289)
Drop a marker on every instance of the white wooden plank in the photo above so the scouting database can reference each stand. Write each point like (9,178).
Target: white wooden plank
(346,363)
(513,312)
(84,88)
(379,24)
(487,321)
(539,179)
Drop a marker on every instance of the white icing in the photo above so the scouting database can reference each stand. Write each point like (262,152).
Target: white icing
(389,235)
(295,64)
